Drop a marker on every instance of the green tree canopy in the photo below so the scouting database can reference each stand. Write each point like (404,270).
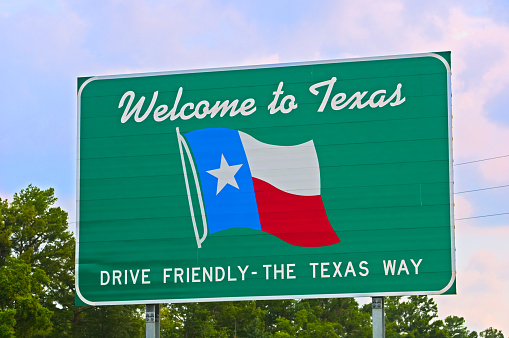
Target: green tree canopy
(37,275)
(21,312)
(491,333)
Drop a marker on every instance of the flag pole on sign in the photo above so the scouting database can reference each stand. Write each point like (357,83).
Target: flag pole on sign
(183,144)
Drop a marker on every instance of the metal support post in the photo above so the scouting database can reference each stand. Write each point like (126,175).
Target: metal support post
(378,317)
(153,327)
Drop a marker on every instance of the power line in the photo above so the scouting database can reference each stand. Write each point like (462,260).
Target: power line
(503,213)
(500,186)
(485,159)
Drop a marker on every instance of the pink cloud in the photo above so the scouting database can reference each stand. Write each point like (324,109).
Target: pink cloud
(482,292)
(483,271)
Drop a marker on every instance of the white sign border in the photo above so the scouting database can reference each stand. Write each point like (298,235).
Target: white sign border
(223,299)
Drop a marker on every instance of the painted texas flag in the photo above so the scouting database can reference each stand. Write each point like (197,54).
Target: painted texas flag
(250,184)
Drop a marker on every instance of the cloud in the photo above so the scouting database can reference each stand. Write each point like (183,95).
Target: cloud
(496,171)
(481,280)
(463,208)
(482,73)
(5,196)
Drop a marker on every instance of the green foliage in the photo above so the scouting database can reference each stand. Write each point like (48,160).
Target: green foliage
(108,321)
(286,318)
(37,276)
(7,323)
(414,317)
(187,320)
(491,333)
(21,311)
(455,327)
(5,234)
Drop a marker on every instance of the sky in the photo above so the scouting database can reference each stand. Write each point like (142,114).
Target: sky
(46,45)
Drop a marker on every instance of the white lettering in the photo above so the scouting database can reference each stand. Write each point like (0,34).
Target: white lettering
(160,111)
(416,265)
(389,266)
(402,266)
(291,104)
(243,271)
(137,117)
(358,100)
(314,268)
(272,106)
(205,105)
(183,109)
(218,268)
(330,84)
(136,109)
(267,267)
(195,275)
(207,274)
(289,271)
(349,268)
(105,273)
(361,265)
(380,102)
(165,274)
(116,276)
(281,271)
(336,267)
(284,104)
(247,107)
(178,274)
(224,107)
(134,278)
(338,101)
(324,269)
(175,106)
(288,98)
(144,276)
(230,279)
(397,95)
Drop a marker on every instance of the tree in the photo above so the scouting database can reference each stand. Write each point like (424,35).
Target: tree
(346,312)
(455,327)
(317,318)
(491,333)
(21,313)
(244,319)
(5,234)
(39,250)
(413,317)
(187,320)
(109,321)
(275,309)
(38,234)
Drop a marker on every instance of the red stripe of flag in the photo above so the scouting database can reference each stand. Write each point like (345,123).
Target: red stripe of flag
(297,220)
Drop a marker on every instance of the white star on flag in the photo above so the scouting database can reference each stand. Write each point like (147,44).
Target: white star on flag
(225,174)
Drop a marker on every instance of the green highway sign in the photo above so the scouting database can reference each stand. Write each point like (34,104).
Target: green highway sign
(304,180)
